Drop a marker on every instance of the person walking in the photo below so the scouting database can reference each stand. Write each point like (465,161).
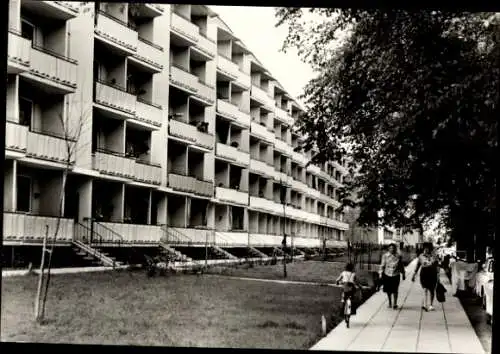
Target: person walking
(391,270)
(429,273)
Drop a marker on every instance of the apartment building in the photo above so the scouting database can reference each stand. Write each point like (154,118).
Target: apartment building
(173,129)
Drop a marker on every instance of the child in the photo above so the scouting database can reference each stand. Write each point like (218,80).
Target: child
(348,279)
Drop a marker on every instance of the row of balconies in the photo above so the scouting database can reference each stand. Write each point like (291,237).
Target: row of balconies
(184,79)
(189,184)
(233,71)
(188,30)
(40,63)
(118,98)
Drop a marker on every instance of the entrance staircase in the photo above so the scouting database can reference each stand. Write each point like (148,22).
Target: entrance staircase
(178,256)
(225,254)
(90,253)
(256,252)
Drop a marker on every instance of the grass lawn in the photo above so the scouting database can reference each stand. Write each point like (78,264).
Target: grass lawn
(180,310)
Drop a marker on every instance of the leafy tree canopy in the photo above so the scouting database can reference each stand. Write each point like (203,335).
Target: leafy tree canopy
(411,99)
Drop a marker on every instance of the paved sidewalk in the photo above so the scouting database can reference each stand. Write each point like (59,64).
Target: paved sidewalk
(409,329)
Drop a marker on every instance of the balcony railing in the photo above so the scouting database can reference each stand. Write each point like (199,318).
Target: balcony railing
(283,147)
(264,240)
(262,167)
(299,157)
(262,96)
(191,133)
(131,233)
(148,112)
(233,154)
(22,227)
(16,136)
(283,115)
(46,146)
(190,184)
(115,97)
(113,164)
(147,172)
(231,195)
(244,80)
(19,52)
(230,110)
(265,204)
(52,66)
(262,132)
(206,45)
(184,79)
(116,31)
(149,53)
(228,67)
(184,27)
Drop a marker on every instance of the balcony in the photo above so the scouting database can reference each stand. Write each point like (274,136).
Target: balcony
(18,53)
(113,164)
(59,10)
(190,132)
(184,27)
(116,32)
(265,240)
(57,70)
(150,54)
(45,146)
(185,80)
(283,116)
(20,227)
(233,154)
(205,45)
(190,184)
(262,96)
(243,80)
(299,157)
(131,233)
(229,110)
(115,97)
(147,172)
(300,186)
(227,67)
(231,195)
(262,132)
(261,167)
(265,205)
(148,112)
(16,137)
(283,147)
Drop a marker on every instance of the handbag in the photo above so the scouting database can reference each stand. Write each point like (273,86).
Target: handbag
(440,291)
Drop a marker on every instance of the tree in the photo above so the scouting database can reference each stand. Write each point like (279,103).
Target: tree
(71,127)
(412,99)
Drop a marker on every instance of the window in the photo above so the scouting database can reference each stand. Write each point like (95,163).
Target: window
(24,194)
(27,30)
(25,111)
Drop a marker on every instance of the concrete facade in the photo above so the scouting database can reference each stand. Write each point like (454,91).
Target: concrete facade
(171,127)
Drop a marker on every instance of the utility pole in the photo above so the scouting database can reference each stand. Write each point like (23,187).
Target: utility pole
(283,202)
(40,278)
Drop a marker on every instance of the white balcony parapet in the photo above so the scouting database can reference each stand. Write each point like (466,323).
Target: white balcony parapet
(262,167)
(115,97)
(190,184)
(262,96)
(149,53)
(228,67)
(147,172)
(264,240)
(231,195)
(184,27)
(299,157)
(283,147)
(19,52)
(230,110)
(243,79)
(148,112)
(206,45)
(72,6)
(283,115)
(128,233)
(16,136)
(299,185)
(306,242)
(52,66)
(182,78)
(191,133)
(114,164)
(231,238)
(233,154)
(116,31)
(44,146)
(31,228)
(195,235)
(262,132)
(265,204)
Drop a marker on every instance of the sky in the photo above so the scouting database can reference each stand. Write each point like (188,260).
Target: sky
(255,27)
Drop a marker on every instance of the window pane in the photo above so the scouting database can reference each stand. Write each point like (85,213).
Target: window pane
(23,193)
